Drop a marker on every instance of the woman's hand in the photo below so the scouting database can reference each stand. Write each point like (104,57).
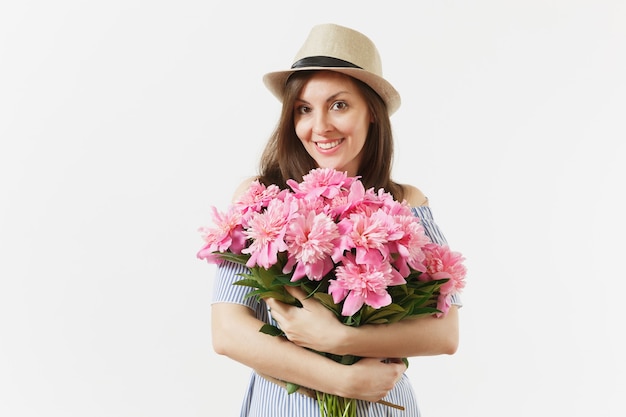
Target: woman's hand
(316,327)
(371,379)
(312,326)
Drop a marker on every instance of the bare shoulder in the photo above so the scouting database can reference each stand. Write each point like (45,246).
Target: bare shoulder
(243,187)
(414,196)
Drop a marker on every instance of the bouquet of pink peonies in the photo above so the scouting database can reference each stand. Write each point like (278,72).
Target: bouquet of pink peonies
(359,252)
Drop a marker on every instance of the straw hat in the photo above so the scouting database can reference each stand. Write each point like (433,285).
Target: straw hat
(340,49)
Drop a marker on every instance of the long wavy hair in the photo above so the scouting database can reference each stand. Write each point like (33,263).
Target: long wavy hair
(285,157)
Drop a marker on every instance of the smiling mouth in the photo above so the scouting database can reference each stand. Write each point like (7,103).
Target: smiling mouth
(328,145)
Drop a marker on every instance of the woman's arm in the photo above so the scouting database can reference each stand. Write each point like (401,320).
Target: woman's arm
(235,333)
(421,336)
(315,327)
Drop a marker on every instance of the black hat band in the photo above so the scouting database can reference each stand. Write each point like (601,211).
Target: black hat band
(323,61)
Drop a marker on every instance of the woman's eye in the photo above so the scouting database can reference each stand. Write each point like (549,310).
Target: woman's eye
(339,105)
(302,109)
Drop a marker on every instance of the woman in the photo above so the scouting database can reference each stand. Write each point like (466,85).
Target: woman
(335,114)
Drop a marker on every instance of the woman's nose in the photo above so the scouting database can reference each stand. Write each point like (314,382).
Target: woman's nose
(321,124)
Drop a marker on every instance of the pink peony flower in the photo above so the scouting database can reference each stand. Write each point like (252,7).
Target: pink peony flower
(409,244)
(267,231)
(310,241)
(392,206)
(317,205)
(442,263)
(362,284)
(321,182)
(356,201)
(226,235)
(368,235)
(256,198)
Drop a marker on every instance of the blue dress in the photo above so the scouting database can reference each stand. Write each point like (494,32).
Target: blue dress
(267,399)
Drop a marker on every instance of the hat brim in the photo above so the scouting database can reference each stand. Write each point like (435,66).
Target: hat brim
(276,81)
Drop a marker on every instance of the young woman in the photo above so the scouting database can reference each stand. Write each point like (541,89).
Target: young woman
(335,114)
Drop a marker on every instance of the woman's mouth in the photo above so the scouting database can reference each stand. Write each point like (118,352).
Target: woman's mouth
(328,145)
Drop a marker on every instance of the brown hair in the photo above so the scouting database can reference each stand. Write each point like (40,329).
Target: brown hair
(285,157)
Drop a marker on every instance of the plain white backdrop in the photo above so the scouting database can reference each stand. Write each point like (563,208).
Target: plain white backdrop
(122,122)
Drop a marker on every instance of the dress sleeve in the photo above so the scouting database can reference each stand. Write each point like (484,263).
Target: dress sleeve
(430,227)
(434,233)
(224,290)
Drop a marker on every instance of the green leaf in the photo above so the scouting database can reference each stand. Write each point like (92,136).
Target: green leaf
(271,330)
(263,293)
(284,279)
(265,276)
(239,259)
(406,362)
(291,388)
(321,287)
(375,315)
(283,296)
(327,301)
(353,320)
(247,283)
(349,359)
(422,311)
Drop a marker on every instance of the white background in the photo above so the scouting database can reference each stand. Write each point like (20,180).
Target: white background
(122,122)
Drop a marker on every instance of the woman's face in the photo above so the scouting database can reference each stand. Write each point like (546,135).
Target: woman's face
(332,120)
